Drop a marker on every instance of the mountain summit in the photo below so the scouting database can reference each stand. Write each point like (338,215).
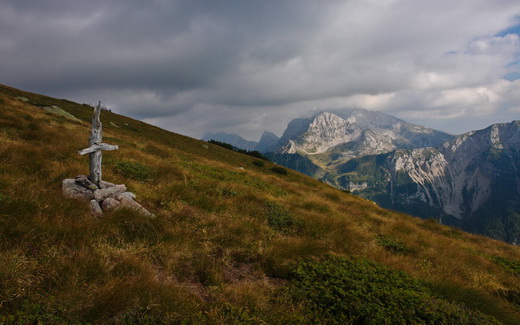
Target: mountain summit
(268,142)
(354,133)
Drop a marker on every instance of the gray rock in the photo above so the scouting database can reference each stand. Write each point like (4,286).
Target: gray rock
(126,194)
(95,209)
(111,192)
(75,191)
(85,182)
(109,204)
(129,203)
(105,184)
(56,110)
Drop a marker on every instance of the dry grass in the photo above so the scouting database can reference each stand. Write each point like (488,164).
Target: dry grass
(225,240)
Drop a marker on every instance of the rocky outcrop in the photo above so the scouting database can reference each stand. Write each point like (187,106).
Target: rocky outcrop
(472,181)
(74,190)
(109,192)
(105,197)
(58,111)
(355,133)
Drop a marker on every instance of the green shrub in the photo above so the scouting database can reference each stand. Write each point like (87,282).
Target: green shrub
(227,193)
(392,244)
(253,153)
(358,291)
(32,313)
(133,170)
(221,144)
(510,265)
(512,295)
(258,163)
(279,170)
(278,218)
(472,298)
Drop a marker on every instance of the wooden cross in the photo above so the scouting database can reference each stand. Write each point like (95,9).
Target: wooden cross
(96,146)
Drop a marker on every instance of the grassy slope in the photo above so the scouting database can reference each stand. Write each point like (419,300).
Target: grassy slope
(225,240)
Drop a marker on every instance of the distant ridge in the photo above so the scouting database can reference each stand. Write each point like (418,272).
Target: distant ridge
(230,138)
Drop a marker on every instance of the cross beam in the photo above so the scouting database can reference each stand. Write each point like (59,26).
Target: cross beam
(96,146)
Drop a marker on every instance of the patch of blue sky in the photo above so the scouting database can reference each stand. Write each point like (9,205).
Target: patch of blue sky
(514,71)
(512,29)
(514,66)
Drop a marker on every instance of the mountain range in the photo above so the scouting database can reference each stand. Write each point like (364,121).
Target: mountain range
(471,181)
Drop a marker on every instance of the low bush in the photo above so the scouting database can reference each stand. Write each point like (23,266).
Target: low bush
(509,265)
(33,313)
(392,244)
(253,153)
(512,296)
(359,291)
(221,144)
(278,218)
(279,170)
(258,163)
(133,170)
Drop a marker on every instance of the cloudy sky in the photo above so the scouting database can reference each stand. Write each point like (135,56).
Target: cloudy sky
(247,66)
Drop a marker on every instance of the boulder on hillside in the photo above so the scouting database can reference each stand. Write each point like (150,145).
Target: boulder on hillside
(85,182)
(110,203)
(105,184)
(127,194)
(95,209)
(108,196)
(73,190)
(129,203)
(109,192)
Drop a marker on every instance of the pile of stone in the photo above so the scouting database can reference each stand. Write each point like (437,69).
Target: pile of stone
(107,196)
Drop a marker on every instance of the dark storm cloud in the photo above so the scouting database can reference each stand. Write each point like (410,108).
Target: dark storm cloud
(195,66)
(163,46)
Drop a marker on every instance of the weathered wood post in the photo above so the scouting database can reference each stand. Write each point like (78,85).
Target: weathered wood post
(96,146)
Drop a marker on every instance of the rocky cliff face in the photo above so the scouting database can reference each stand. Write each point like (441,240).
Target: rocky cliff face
(472,181)
(354,133)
